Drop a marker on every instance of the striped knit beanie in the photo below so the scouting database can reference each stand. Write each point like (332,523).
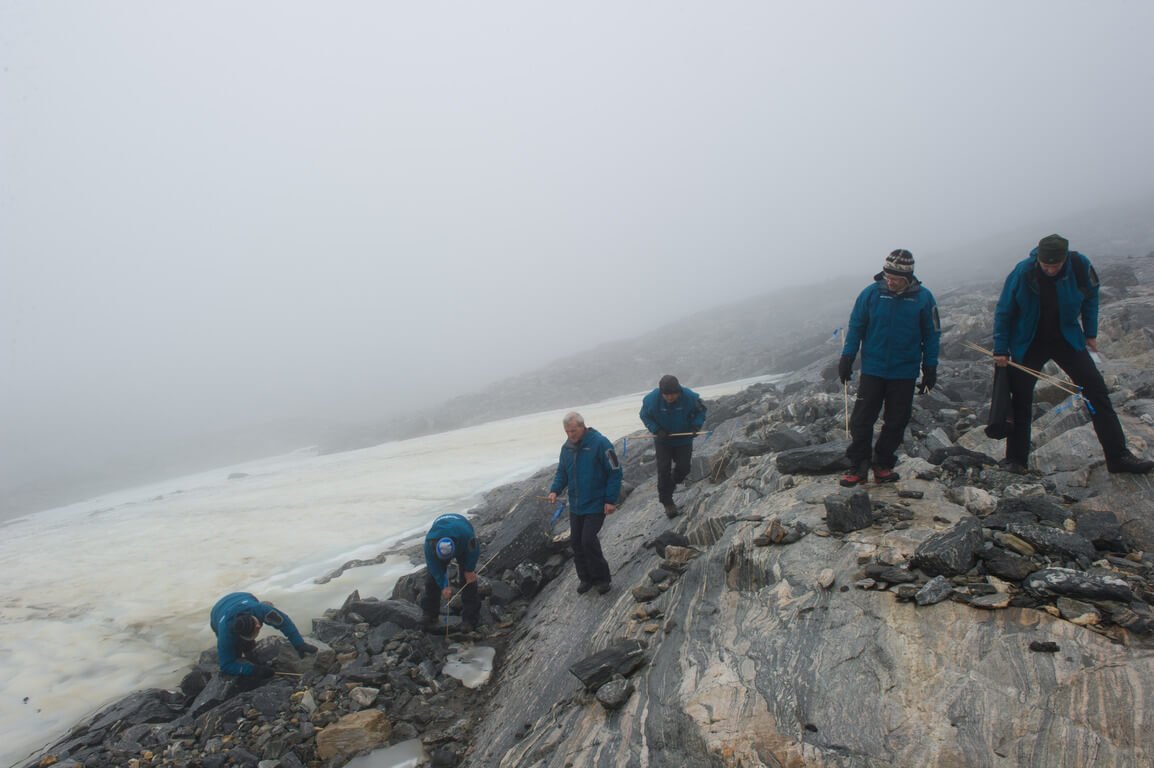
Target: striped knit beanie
(900,263)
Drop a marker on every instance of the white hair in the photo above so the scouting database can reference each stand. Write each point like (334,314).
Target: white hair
(572,418)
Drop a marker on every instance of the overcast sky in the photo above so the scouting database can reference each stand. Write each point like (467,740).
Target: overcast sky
(216,213)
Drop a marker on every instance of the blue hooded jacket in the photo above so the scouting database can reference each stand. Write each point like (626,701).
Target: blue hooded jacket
(897,332)
(460,530)
(590,471)
(1020,305)
(236,604)
(685,414)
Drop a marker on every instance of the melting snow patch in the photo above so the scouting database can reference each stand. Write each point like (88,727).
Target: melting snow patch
(472,665)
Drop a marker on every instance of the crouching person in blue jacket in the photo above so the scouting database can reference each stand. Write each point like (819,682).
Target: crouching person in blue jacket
(589,468)
(895,323)
(236,620)
(451,537)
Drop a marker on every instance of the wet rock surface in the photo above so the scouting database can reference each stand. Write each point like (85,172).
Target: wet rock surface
(966,615)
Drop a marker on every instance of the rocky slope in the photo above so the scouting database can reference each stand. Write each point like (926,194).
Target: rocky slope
(964,616)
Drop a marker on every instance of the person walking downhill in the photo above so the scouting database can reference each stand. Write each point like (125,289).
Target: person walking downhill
(673,414)
(1048,310)
(236,620)
(589,469)
(895,323)
(451,537)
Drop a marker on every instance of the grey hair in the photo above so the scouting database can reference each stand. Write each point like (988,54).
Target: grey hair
(573,418)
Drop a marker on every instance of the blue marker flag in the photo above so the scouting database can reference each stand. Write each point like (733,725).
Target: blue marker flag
(557,513)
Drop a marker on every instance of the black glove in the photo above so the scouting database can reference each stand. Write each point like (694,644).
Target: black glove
(662,434)
(845,369)
(306,649)
(929,378)
(262,672)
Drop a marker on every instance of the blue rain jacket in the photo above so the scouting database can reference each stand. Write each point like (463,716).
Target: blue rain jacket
(460,530)
(685,414)
(591,472)
(897,332)
(236,604)
(1020,305)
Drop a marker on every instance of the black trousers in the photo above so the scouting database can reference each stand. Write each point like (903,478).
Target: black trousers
(667,476)
(874,392)
(1081,369)
(587,557)
(470,598)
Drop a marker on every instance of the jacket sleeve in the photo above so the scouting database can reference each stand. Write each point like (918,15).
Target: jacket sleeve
(472,555)
(1004,315)
(697,414)
(286,626)
(855,328)
(226,650)
(1090,302)
(561,478)
(931,333)
(435,566)
(613,468)
(647,415)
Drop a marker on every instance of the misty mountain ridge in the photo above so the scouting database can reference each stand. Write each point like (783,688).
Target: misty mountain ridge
(779,331)
(783,329)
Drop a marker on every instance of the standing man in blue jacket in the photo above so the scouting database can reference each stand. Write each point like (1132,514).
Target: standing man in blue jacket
(1048,310)
(236,620)
(672,409)
(895,323)
(451,537)
(589,468)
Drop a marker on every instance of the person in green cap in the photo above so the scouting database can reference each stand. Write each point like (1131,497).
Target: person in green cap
(1048,310)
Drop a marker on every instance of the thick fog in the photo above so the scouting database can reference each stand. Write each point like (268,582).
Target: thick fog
(224,218)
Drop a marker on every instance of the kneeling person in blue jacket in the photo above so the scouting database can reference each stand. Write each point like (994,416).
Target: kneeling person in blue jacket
(895,323)
(589,468)
(451,537)
(672,409)
(236,620)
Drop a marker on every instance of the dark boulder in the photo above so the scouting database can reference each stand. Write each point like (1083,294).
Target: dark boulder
(1102,529)
(951,552)
(401,612)
(848,512)
(813,460)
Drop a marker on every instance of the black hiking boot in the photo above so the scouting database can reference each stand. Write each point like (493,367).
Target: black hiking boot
(584,587)
(1013,467)
(1128,463)
(604,587)
(671,510)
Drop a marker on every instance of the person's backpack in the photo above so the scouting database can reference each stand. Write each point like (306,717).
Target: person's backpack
(1084,274)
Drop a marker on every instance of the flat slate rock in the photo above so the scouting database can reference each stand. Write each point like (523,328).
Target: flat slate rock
(814,460)
(1051,541)
(1066,582)
(622,657)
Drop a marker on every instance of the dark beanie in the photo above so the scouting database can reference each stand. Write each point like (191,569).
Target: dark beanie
(900,263)
(669,385)
(245,626)
(1053,249)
